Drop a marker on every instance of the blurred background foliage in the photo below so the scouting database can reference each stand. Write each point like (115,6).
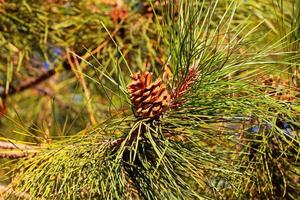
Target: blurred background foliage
(58,59)
(36,37)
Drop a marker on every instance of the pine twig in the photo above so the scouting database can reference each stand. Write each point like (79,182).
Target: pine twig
(2,107)
(60,102)
(14,151)
(10,145)
(102,44)
(28,84)
(78,75)
(14,155)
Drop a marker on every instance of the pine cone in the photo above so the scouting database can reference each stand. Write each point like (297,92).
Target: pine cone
(149,98)
(184,87)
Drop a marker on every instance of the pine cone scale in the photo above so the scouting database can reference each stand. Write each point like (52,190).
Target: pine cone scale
(149,98)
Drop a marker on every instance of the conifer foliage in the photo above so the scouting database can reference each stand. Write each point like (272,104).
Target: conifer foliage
(206,129)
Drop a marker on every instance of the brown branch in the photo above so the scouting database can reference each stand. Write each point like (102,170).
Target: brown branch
(134,134)
(47,92)
(35,81)
(117,142)
(14,151)
(2,107)
(28,84)
(78,74)
(14,155)
(102,44)
(11,145)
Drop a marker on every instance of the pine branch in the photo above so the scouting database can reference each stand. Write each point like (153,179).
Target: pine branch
(78,74)
(10,145)
(14,151)
(47,92)
(28,84)
(13,155)
(101,46)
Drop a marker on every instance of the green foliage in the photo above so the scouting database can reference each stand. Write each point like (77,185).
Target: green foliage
(227,138)
(34,38)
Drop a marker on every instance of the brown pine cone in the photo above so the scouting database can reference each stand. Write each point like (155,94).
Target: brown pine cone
(149,98)
(184,86)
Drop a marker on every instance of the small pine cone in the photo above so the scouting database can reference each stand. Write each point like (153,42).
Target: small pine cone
(183,88)
(187,82)
(149,98)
